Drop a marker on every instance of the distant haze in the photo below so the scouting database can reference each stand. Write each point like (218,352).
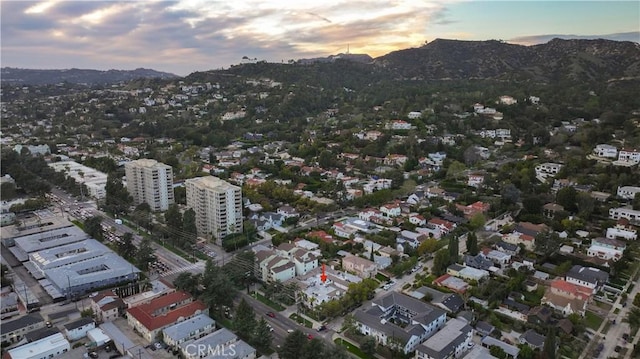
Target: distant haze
(195,35)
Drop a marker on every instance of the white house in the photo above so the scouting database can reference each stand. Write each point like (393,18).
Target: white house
(475,180)
(622,212)
(508,100)
(391,210)
(414,115)
(399,125)
(452,341)
(606,151)
(607,249)
(546,170)
(78,328)
(622,231)
(629,155)
(628,192)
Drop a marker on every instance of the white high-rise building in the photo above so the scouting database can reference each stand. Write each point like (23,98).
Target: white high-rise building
(218,206)
(151,182)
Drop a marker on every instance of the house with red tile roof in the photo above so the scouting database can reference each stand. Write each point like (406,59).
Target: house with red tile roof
(443,225)
(150,318)
(321,235)
(567,297)
(473,209)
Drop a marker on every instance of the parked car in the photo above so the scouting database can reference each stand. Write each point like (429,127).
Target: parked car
(271,314)
(322,327)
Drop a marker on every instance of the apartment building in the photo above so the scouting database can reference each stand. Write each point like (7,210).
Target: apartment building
(218,206)
(151,182)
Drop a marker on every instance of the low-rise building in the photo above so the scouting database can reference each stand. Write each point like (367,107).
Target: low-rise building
(194,328)
(626,213)
(605,151)
(532,339)
(78,329)
(13,331)
(452,341)
(607,249)
(628,192)
(149,319)
(50,347)
(400,321)
(219,344)
(622,231)
(590,277)
(107,306)
(567,297)
(547,170)
(312,291)
(362,267)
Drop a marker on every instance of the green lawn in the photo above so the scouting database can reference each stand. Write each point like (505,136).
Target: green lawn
(301,320)
(351,348)
(382,278)
(269,302)
(592,320)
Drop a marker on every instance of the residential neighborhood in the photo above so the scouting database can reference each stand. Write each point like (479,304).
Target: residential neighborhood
(146,219)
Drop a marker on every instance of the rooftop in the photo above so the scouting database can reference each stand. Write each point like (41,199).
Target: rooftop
(184,329)
(39,346)
(443,343)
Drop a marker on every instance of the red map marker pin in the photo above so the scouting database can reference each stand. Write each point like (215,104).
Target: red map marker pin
(323,276)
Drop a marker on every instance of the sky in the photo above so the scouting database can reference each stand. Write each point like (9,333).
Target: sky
(197,35)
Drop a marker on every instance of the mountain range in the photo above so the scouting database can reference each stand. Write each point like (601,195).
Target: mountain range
(557,60)
(77,76)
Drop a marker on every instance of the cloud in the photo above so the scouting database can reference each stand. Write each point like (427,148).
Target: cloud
(633,36)
(188,35)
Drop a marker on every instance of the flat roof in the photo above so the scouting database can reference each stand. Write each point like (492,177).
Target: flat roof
(93,270)
(34,224)
(68,253)
(445,341)
(50,238)
(40,346)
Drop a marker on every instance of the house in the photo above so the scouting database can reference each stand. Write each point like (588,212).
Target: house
(391,210)
(517,238)
(508,248)
(455,284)
(507,100)
(629,155)
(410,238)
(414,115)
(607,249)
(14,330)
(547,170)
(9,305)
(511,350)
(550,210)
(622,230)
(567,297)
(475,180)
(483,328)
(467,273)
(49,347)
(540,315)
(287,212)
(451,303)
(628,192)
(362,267)
(78,328)
(399,125)
(478,261)
(452,341)
(473,209)
(497,257)
(532,339)
(106,306)
(400,320)
(443,225)
(194,328)
(417,219)
(150,318)
(605,151)
(219,344)
(590,277)
(626,213)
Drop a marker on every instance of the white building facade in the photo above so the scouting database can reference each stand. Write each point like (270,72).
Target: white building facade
(218,206)
(151,182)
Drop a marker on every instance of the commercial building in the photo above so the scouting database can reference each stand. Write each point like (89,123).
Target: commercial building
(218,206)
(150,182)
(49,347)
